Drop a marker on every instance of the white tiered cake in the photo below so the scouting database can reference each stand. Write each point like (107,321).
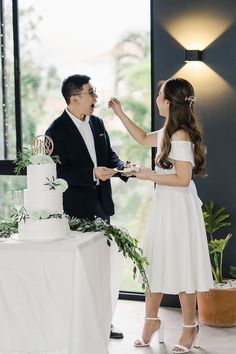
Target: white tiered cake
(44,206)
(42,217)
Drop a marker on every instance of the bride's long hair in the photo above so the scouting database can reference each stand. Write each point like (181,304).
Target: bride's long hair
(179,92)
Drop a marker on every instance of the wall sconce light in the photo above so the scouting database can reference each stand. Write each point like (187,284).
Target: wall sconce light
(193,55)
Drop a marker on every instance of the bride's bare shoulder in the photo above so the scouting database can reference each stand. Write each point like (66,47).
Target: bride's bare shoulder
(181,135)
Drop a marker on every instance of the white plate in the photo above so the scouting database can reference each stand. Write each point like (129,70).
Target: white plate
(15,237)
(135,168)
(126,170)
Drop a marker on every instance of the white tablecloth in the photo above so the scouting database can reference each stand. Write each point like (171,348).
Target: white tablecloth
(57,297)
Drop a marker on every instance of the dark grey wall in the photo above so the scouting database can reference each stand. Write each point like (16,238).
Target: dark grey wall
(214,84)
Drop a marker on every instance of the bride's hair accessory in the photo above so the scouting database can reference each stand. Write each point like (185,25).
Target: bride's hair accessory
(191,100)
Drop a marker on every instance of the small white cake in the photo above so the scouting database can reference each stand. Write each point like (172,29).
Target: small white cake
(128,167)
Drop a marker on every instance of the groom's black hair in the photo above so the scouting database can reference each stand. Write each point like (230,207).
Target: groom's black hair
(73,85)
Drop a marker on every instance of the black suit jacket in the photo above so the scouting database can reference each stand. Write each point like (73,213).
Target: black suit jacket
(76,167)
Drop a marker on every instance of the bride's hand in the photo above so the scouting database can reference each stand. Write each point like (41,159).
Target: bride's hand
(115,105)
(144,173)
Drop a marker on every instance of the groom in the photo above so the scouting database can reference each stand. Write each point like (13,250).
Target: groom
(87,159)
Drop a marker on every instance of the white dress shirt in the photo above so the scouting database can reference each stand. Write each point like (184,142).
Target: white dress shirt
(87,134)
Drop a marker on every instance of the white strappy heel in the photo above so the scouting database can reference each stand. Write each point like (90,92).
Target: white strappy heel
(195,343)
(160,332)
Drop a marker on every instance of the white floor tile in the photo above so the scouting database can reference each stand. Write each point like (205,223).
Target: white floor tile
(129,319)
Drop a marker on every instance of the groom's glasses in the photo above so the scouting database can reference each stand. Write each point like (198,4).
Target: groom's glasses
(91,92)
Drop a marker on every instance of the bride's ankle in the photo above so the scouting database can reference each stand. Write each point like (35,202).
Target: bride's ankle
(150,326)
(190,330)
(152,318)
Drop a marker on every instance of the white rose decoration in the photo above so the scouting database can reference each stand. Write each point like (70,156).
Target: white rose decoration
(44,214)
(46,159)
(60,184)
(35,159)
(35,215)
(40,159)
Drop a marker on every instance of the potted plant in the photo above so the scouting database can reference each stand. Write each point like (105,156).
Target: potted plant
(217,307)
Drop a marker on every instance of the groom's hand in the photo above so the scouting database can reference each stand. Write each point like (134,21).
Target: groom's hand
(103,173)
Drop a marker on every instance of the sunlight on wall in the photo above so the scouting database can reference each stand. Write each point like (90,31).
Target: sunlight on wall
(207,83)
(197,31)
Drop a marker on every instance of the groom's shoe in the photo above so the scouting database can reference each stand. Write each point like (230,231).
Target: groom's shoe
(116,333)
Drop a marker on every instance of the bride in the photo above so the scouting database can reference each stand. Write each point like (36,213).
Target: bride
(175,242)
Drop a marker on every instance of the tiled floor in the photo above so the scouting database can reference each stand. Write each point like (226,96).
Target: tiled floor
(129,318)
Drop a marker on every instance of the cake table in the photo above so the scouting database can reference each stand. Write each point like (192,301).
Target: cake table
(57,297)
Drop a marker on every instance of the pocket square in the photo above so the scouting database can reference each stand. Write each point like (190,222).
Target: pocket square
(101,134)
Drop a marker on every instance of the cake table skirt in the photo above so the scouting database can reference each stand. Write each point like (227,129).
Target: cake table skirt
(56,297)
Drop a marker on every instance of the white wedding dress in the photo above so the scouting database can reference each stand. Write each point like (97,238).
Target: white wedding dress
(175,242)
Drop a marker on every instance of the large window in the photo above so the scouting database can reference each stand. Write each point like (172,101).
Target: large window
(7,88)
(110,42)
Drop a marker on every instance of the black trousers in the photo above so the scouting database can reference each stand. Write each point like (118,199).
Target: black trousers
(101,213)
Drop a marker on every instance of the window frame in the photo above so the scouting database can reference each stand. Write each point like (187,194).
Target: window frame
(6,165)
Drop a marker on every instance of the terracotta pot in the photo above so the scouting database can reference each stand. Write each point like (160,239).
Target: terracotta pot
(217,307)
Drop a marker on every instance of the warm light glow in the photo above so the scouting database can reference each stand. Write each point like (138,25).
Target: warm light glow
(209,86)
(197,31)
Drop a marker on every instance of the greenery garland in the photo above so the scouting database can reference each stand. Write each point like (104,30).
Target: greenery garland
(8,227)
(23,160)
(126,244)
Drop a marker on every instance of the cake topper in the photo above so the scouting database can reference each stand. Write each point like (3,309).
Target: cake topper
(42,144)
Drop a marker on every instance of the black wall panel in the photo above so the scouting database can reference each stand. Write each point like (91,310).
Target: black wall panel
(174,25)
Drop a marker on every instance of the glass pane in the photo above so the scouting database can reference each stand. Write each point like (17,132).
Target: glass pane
(7,186)
(115,56)
(7,111)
